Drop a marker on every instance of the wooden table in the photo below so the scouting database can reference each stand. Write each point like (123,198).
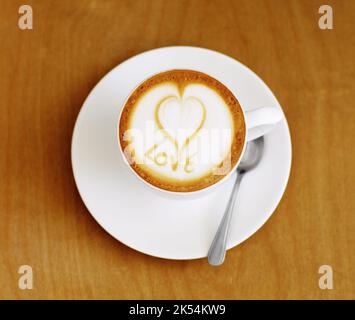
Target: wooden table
(45,75)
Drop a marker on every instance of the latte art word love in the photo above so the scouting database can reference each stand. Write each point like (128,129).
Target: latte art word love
(181,130)
(179,121)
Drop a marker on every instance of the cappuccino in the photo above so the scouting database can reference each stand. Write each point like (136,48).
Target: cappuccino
(182,130)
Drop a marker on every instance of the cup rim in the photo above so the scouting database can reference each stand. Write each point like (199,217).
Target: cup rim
(170,192)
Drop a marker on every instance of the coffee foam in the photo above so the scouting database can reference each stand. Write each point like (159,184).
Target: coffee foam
(182,130)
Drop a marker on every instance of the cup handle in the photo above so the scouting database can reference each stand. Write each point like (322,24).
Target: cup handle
(260,121)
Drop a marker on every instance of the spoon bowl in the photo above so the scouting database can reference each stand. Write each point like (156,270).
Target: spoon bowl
(252,155)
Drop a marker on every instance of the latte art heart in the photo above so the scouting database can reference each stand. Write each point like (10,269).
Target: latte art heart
(182,130)
(180,118)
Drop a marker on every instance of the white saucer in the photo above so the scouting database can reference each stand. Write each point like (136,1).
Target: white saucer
(149,223)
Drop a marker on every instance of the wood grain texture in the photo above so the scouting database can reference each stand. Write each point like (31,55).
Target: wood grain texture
(45,75)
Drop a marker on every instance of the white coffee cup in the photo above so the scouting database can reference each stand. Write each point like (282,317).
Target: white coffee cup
(258,121)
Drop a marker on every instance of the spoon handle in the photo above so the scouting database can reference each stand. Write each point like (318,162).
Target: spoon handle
(217,251)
